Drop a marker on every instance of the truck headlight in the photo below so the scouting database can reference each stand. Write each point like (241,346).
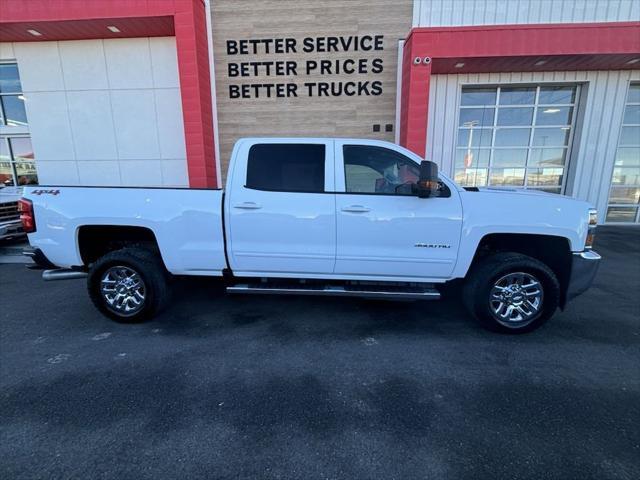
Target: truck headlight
(591,232)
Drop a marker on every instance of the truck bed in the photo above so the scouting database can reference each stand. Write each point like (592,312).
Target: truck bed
(187,223)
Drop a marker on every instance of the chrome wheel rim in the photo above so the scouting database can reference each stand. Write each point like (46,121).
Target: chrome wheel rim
(516,299)
(123,290)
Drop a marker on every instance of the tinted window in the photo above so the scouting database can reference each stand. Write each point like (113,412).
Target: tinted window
(378,170)
(286,167)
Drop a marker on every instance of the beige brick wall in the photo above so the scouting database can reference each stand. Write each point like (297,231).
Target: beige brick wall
(304,115)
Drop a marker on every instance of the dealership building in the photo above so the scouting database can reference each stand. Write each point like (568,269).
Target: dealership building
(535,94)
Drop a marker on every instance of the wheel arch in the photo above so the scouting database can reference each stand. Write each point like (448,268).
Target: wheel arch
(95,241)
(552,250)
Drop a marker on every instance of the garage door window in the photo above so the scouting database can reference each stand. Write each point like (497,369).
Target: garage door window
(515,136)
(624,196)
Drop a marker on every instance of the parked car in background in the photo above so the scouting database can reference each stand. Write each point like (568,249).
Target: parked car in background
(10,225)
(316,216)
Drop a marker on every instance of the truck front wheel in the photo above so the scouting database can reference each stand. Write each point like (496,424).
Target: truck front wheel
(128,285)
(511,292)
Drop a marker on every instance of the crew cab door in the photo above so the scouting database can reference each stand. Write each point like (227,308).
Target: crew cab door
(383,230)
(280,208)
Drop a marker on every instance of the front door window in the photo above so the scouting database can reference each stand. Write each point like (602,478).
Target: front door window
(378,170)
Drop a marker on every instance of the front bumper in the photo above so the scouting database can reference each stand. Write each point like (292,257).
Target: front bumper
(584,266)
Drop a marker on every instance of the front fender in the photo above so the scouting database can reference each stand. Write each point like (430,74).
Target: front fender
(486,213)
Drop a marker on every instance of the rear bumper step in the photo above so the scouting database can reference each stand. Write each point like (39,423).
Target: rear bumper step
(409,293)
(62,274)
(40,261)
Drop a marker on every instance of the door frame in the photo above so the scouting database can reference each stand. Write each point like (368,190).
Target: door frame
(236,182)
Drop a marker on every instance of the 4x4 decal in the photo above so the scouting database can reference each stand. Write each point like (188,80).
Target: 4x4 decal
(46,192)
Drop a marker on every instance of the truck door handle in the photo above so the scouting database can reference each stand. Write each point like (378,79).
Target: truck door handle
(356,209)
(248,205)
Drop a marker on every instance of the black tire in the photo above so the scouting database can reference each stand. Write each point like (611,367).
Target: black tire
(148,266)
(484,275)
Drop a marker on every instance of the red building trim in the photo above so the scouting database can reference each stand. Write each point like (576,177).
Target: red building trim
(195,87)
(524,48)
(186,19)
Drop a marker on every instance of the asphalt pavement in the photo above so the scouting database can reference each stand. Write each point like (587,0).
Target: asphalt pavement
(235,387)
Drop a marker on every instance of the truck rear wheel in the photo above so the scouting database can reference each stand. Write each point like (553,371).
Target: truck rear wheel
(128,285)
(511,293)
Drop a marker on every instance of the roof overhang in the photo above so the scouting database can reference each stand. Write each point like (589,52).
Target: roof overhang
(529,48)
(157,26)
(83,20)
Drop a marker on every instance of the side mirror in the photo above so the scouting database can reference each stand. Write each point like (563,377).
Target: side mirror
(428,184)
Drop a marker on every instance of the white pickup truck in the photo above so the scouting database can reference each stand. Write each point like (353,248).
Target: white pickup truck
(321,216)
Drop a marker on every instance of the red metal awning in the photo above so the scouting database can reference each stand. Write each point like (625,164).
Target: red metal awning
(505,48)
(87,29)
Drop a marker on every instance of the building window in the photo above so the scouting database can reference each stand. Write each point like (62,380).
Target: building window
(624,195)
(12,112)
(515,136)
(16,162)
(17,165)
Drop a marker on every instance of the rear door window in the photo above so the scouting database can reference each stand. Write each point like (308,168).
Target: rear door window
(286,167)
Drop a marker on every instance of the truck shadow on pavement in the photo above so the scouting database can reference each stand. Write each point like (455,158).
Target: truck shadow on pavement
(200,307)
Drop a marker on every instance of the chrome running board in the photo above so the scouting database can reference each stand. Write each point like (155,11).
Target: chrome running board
(374,291)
